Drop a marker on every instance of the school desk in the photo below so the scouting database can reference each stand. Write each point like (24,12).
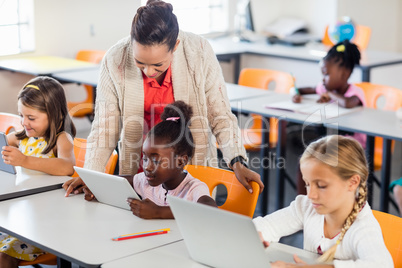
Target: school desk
(365,120)
(174,255)
(257,105)
(171,255)
(25,183)
(227,49)
(374,122)
(79,231)
(43,65)
(87,76)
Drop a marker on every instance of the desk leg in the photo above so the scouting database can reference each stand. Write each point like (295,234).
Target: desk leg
(385,174)
(365,74)
(62,263)
(236,68)
(280,174)
(370,160)
(264,173)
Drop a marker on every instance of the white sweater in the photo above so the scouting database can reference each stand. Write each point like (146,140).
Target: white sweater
(119,113)
(362,245)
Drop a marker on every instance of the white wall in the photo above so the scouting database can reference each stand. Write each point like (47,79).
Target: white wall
(64,27)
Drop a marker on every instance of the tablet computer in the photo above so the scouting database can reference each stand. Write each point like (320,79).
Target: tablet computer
(108,189)
(3,166)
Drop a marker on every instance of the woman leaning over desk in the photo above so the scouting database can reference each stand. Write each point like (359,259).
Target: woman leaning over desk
(156,65)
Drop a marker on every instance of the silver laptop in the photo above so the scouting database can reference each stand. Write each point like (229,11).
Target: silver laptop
(108,189)
(3,166)
(220,238)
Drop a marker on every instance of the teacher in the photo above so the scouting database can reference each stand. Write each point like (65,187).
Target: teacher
(154,66)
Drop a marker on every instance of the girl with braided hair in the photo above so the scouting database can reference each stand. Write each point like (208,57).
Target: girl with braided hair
(335,217)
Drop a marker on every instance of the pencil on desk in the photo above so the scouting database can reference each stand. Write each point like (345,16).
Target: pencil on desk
(138,235)
(146,232)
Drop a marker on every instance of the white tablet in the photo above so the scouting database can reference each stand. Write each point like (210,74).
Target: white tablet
(108,189)
(3,166)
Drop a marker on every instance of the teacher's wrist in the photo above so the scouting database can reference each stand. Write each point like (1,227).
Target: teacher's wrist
(238,159)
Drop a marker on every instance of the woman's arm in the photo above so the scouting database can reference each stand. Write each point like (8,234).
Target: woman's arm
(222,121)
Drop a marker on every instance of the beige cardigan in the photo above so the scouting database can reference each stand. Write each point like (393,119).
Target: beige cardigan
(119,114)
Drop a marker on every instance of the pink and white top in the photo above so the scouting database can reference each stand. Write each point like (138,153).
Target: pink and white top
(352,90)
(190,189)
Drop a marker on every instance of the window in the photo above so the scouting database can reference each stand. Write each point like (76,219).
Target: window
(201,17)
(16,26)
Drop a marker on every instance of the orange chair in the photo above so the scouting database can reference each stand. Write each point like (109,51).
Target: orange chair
(361,39)
(238,200)
(10,122)
(393,100)
(79,153)
(261,78)
(391,227)
(80,146)
(86,107)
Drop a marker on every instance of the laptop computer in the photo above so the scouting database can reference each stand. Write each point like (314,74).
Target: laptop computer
(108,189)
(221,238)
(3,166)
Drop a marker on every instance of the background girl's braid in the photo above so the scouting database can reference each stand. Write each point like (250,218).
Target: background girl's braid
(358,205)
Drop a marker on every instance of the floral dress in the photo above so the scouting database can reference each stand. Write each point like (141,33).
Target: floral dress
(9,244)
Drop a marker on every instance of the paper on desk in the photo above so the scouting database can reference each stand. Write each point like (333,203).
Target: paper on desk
(310,107)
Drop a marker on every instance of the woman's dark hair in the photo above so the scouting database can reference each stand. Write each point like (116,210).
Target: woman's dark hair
(155,24)
(174,128)
(46,95)
(345,53)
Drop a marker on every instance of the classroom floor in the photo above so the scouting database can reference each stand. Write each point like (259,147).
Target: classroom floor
(83,129)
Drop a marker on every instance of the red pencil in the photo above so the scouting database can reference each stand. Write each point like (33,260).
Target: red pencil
(138,236)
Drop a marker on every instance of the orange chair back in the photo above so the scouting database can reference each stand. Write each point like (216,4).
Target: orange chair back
(391,227)
(261,78)
(80,147)
(86,107)
(392,101)
(238,200)
(361,39)
(10,122)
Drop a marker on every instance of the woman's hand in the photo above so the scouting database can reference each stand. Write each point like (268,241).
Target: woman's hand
(13,156)
(74,185)
(245,175)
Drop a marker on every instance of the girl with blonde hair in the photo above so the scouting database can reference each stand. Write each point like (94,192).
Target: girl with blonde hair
(335,217)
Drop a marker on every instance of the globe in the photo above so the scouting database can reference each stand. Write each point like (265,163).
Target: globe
(342,29)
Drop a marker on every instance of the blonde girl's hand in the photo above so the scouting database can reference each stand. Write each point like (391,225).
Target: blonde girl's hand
(265,243)
(298,263)
(13,156)
(324,98)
